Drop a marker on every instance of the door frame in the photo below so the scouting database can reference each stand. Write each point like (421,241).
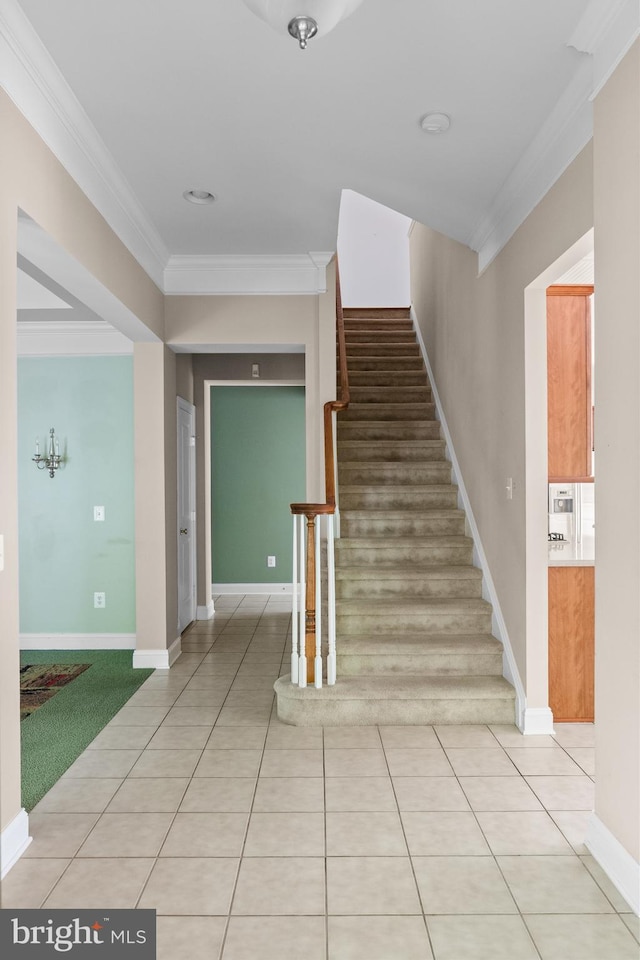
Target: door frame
(183,406)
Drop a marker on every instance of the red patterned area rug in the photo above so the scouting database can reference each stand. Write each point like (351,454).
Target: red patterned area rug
(41,681)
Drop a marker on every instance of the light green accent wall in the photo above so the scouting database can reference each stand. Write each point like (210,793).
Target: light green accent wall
(64,555)
(257,470)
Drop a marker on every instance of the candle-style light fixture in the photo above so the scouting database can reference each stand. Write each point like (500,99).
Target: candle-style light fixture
(52,459)
(303,19)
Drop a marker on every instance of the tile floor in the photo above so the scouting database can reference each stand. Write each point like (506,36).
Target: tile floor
(257,840)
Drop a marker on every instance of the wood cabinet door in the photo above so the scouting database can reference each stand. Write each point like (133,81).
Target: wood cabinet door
(571,642)
(569,383)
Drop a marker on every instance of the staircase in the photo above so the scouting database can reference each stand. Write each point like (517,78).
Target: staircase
(414,634)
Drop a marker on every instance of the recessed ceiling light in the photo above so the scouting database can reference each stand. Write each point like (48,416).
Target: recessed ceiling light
(435,123)
(198,196)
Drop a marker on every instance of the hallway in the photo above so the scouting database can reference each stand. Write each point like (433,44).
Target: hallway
(253,839)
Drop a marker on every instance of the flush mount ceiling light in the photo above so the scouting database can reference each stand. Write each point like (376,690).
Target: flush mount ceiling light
(435,123)
(303,19)
(198,196)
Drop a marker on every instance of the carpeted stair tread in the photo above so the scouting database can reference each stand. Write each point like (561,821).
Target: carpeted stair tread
(404,688)
(411,605)
(397,571)
(407,644)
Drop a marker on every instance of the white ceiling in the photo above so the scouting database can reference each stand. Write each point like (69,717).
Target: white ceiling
(204,95)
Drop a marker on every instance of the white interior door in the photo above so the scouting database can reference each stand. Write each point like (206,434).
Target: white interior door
(186,514)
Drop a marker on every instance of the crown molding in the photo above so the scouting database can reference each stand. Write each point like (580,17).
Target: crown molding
(605,33)
(248,275)
(69,338)
(32,80)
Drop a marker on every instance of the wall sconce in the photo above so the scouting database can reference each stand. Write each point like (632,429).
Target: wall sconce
(52,460)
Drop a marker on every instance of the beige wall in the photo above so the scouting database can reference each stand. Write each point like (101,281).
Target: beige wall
(184,376)
(617,433)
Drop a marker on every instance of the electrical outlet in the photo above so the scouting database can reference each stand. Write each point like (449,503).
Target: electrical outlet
(255,370)
(98,513)
(271,561)
(99,601)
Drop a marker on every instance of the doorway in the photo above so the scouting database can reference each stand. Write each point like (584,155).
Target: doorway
(186,533)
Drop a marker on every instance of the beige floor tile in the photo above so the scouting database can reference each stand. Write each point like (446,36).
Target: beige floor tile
(238,738)
(553,885)
(282,794)
(127,835)
(216,684)
(582,938)
(152,795)
(350,762)
(472,762)
(122,738)
(443,834)
(219,795)
(201,698)
(285,835)
(429,793)
(58,834)
(633,923)
(552,762)
(280,886)
(609,889)
(499,793)
(139,716)
(522,832)
(153,698)
(418,763)
(462,885)
(243,716)
(508,735)
(371,885)
(481,938)
(70,795)
(179,738)
(573,824)
(194,886)
(275,938)
(206,835)
(465,735)
(575,734)
(370,834)
(563,793)
(585,757)
(198,938)
(283,737)
(359,793)
(166,763)
(229,763)
(292,763)
(191,717)
(409,738)
(29,882)
(106,883)
(93,764)
(378,938)
(350,737)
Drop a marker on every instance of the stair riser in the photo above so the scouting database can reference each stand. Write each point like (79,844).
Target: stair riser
(388,453)
(383,350)
(402,622)
(427,589)
(389,430)
(409,527)
(373,335)
(378,394)
(377,313)
(381,326)
(387,378)
(387,553)
(377,500)
(431,665)
(395,473)
(351,713)
(388,364)
(389,411)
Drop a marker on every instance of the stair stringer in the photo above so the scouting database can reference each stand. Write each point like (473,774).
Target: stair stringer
(532,721)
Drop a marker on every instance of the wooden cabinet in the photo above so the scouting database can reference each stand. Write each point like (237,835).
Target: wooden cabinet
(569,417)
(571,642)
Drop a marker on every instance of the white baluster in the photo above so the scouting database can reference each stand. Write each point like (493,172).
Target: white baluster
(331,604)
(317,663)
(294,606)
(302,661)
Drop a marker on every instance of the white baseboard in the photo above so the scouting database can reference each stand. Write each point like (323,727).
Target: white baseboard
(617,863)
(13,842)
(509,665)
(205,612)
(537,720)
(160,659)
(77,641)
(233,588)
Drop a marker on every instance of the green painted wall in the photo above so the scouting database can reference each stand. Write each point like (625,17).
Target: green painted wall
(64,555)
(257,470)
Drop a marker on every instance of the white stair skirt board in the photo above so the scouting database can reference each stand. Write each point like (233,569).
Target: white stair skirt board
(219,589)
(77,641)
(158,659)
(617,863)
(205,612)
(510,668)
(14,841)
(537,720)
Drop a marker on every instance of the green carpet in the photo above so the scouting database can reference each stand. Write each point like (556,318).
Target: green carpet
(57,733)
